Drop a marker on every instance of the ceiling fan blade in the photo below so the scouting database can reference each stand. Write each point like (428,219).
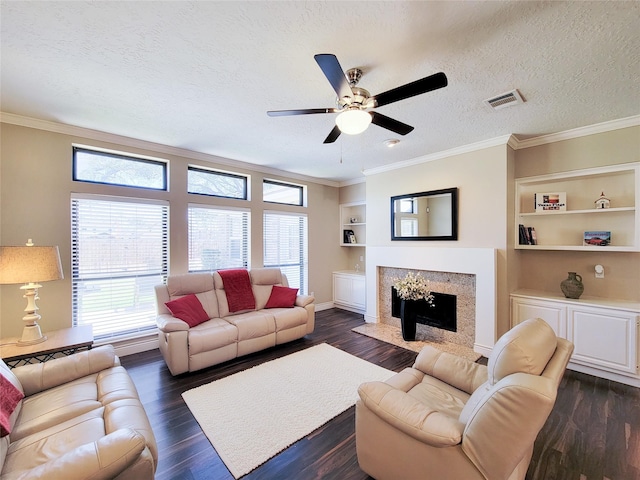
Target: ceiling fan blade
(424,85)
(331,68)
(304,111)
(333,136)
(390,124)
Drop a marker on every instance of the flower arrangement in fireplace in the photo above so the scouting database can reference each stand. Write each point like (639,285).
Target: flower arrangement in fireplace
(413,287)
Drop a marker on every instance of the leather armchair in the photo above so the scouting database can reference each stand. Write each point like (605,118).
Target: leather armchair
(449,418)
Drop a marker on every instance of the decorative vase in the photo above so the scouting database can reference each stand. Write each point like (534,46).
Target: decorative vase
(408,312)
(572,286)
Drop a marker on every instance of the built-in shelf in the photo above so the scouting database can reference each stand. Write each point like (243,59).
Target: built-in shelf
(564,229)
(357,212)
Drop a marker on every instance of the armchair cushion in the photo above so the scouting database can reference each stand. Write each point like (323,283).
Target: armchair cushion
(103,459)
(411,415)
(188,309)
(43,376)
(525,348)
(452,369)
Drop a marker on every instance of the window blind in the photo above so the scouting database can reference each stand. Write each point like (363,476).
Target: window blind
(285,246)
(119,252)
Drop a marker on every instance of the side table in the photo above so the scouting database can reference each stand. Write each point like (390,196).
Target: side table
(65,342)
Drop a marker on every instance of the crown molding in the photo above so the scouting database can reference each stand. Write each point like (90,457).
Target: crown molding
(97,135)
(603,127)
(492,142)
(510,140)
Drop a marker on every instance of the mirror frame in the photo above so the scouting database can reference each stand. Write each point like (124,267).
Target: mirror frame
(454,214)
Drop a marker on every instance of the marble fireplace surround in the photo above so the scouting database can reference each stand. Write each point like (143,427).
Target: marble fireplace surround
(480,262)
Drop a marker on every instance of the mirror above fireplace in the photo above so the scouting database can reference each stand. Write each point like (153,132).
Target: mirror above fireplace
(431,215)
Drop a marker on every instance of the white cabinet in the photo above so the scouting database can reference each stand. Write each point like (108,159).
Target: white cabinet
(602,337)
(604,332)
(564,229)
(349,291)
(353,221)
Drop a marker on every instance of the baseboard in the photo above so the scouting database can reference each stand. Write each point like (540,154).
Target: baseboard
(350,309)
(324,306)
(130,346)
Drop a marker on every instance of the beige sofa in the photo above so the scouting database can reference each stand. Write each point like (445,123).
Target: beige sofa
(450,419)
(227,335)
(80,418)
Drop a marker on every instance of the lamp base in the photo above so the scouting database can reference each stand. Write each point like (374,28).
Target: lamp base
(31,335)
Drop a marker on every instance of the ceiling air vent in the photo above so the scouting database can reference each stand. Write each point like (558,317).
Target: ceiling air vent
(504,100)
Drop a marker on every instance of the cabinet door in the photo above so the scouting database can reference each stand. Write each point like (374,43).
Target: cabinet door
(605,338)
(359,292)
(342,292)
(554,314)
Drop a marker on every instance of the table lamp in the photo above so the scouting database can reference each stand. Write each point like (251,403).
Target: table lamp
(30,265)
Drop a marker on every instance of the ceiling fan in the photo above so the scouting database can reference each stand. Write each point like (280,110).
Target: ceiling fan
(355,104)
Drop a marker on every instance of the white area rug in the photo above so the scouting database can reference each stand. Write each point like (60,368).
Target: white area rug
(253,415)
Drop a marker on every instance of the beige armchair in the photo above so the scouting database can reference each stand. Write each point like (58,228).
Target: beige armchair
(449,418)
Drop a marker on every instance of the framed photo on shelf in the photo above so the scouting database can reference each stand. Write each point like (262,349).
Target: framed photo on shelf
(597,238)
(348,236)
(549,202)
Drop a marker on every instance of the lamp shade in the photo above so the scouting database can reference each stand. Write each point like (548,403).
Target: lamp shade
(29,264)
(353,122)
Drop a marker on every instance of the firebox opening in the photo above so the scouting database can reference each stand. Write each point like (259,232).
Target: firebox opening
(441,315)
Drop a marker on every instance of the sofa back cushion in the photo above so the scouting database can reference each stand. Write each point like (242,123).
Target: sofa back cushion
(263,280)
(200,284)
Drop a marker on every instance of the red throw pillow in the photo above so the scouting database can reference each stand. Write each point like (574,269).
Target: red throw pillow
(9,398)
(282,297)
(188,309)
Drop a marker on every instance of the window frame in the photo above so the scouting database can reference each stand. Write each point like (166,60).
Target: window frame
(120,156)
(221,173)
(300,188)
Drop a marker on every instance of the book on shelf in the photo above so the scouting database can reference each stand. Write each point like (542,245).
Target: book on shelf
(527,235)
(550,202)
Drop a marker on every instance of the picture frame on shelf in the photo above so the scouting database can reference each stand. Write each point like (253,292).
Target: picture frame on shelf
(600,238)
(347,235)
(550,202)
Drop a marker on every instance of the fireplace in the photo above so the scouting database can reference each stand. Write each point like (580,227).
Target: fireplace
(469,273)
(440,314)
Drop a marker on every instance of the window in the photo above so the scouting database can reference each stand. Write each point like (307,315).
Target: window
(218,238)
(119,252)
(276,192)
(102,167)
(285,246)
(217,184)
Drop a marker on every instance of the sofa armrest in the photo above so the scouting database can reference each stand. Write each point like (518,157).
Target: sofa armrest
(410,416)
(459,372)
(168,323)
(103,459)
(304,300)
(43,376)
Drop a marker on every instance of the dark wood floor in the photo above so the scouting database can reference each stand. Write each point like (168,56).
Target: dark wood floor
(592,433)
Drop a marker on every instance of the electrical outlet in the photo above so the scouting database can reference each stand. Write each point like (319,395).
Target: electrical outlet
(361,258)
(599,271)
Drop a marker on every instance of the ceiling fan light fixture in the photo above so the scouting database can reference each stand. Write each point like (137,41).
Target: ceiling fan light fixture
(353,122)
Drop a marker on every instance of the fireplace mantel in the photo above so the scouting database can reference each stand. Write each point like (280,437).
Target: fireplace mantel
(480,262)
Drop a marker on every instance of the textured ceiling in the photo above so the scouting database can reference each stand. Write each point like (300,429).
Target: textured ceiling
(201,75)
